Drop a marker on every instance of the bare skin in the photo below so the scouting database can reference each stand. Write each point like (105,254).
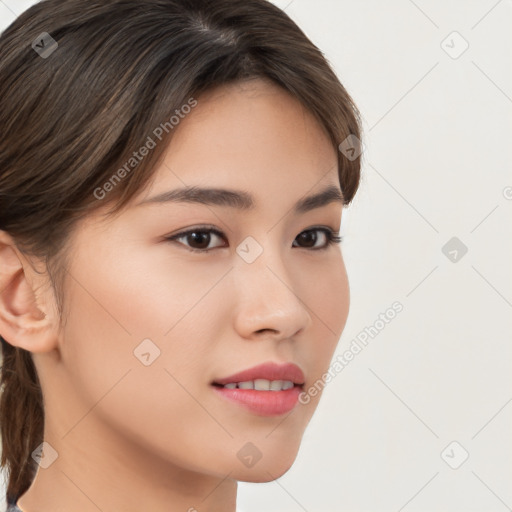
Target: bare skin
(129,435)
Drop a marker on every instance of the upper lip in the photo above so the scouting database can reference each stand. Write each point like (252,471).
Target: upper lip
(268,371)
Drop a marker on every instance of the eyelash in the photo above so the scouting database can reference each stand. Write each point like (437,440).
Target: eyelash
(333,237)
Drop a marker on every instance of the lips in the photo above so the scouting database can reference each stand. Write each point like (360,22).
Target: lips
(267,371)
(269,389)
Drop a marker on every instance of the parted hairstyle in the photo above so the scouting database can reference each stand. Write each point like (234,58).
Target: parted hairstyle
(73,111)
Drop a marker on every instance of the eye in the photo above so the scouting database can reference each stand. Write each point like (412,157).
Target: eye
(310,238)
(199,239)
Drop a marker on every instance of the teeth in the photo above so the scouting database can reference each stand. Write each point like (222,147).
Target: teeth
(262,385)
(276,385)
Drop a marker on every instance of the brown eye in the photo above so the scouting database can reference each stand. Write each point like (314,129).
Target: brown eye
(197,239)
(310,237)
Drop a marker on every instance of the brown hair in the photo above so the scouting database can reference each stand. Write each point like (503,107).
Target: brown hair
(74,115)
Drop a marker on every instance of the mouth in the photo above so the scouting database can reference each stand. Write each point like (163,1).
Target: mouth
(266,390)
(260,385)
(264,377)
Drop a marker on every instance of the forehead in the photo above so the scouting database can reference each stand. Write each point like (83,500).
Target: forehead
(247,107)
(250,133)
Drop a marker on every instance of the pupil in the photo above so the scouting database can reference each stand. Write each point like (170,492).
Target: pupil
(205,236)
(311,235)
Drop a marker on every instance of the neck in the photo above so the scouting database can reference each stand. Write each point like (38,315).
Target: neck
(97,471)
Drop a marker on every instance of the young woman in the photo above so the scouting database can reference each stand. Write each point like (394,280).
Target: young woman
(172,179)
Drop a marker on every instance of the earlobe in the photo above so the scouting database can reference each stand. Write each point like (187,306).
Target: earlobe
(23,323)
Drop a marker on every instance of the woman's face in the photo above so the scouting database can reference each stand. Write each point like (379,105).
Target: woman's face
(151,324)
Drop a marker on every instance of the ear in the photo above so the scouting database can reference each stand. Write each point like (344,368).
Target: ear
(28,316)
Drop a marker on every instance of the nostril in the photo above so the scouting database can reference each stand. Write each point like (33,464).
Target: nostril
(273,331)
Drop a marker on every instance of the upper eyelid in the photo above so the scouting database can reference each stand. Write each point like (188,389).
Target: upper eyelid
(195,230)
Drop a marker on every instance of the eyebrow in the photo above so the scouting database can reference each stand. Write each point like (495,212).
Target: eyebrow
(240,199)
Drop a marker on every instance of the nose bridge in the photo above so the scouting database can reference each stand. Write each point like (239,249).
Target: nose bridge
(268,294)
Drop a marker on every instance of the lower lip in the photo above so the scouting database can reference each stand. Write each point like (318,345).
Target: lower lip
(263,403)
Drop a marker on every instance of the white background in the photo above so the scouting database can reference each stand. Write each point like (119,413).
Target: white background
(436,165)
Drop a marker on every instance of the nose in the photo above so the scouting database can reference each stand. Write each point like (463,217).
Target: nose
(268,304)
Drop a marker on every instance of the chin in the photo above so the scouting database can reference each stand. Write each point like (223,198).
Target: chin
(267,470)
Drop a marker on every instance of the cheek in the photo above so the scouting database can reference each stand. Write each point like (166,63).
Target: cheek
(112,385)
(139,292)
(152,293)
(327,296)
(137,324)
(134,311)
